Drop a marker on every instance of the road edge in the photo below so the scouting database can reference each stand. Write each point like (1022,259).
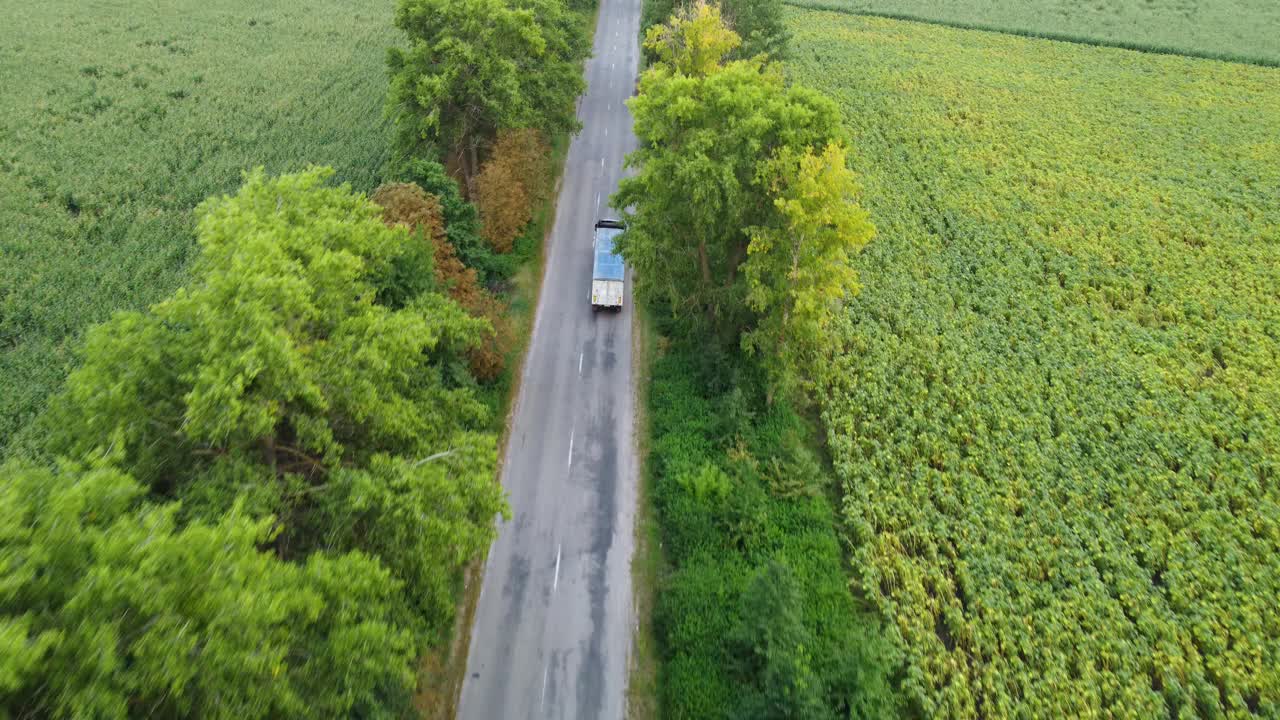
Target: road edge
(473,575)
(647,564)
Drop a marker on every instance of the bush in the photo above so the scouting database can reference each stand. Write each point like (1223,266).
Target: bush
(734,485)
(407,204)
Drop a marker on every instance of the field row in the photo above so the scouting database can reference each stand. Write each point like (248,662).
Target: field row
(1056,414)
(1238,30)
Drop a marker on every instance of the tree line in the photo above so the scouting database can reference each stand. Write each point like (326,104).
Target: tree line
(744,218)
(255,499)
(744,179)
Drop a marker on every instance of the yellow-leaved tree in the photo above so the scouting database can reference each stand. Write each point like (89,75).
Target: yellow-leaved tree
(797,269)
(694,41)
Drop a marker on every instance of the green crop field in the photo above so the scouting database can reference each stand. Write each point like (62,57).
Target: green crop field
(1247,30)
(1056,414)
(117,118)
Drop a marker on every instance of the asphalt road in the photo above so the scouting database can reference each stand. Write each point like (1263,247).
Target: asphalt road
(552,631)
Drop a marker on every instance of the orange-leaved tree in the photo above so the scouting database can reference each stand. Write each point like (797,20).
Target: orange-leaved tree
(516,175)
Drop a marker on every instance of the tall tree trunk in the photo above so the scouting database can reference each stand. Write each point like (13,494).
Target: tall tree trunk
(470,166)
(702,260)
(739,255)
(707,283)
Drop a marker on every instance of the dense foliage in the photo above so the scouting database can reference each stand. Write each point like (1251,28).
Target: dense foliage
(754,616)
(113,608)
(1056,413)
(304,395)
(705,171)
(409,205)
(1240,30)
(116,124)
(758,24)
(474,67)
(693,42)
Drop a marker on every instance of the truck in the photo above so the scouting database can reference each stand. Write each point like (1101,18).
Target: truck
(608,271)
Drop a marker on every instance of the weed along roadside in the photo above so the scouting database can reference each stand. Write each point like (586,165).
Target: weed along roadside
(648,564)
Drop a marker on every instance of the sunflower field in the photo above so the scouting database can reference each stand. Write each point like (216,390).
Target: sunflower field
(1054,408)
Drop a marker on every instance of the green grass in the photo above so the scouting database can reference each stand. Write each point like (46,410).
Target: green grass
(1057,411)
(1239,30)
(117,118)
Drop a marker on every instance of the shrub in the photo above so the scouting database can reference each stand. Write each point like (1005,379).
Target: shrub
(503,201)
(773,651)
(409,205)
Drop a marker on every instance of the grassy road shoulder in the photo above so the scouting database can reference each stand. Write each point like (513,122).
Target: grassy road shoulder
(647,564)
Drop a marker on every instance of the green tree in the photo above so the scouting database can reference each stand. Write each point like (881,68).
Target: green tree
(797,269)
(474,67)
(759,24)
(693,41)
(552,83)
(699,183)
(111,608)
(774,652)
(283,380)
(655,12)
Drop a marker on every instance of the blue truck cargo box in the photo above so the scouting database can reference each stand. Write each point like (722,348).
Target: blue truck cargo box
(608,265)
